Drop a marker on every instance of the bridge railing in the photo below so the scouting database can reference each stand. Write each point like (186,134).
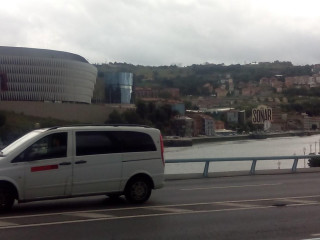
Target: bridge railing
(254,160)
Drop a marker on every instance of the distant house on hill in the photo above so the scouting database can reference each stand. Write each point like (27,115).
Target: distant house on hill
(147,92)
(250,91)
(219,125)
(203,124)
(220,92)
(183,126)
(236,116)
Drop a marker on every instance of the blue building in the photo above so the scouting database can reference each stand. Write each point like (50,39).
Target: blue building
(118,87)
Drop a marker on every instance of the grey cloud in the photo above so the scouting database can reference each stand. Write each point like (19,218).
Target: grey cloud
(163,32)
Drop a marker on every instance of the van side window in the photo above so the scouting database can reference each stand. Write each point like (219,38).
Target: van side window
(96,142)
(136,141)
(51,146)
(105,142)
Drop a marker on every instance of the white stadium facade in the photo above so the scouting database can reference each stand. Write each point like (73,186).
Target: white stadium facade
(29,74)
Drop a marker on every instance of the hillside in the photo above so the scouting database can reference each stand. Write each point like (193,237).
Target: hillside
(189,78)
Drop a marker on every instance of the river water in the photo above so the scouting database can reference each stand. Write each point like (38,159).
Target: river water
(284,146)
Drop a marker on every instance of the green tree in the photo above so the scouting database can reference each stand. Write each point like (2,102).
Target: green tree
(142,109)
(132,117)
(115,117)
(165,95)
(146,114)
(3,119)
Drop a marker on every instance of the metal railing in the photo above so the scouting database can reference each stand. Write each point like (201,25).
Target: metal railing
(236,159)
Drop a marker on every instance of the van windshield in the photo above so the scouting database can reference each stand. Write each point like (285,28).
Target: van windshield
(20,141)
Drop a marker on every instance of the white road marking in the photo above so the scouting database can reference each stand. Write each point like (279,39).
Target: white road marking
(88,215)
(164,206)
(5,224)
(241,205)
(126,217)
(299,201)
(235,186)
(139,216)
(171,210)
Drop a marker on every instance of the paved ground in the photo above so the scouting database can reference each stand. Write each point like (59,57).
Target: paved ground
(250,207)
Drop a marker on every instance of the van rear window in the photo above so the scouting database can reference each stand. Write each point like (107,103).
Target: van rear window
(106,142)
(136,141)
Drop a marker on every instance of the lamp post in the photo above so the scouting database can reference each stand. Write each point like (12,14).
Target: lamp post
(304,154)
(310,148)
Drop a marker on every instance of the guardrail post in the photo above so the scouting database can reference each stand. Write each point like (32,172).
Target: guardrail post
(253,167)
(295,164)
(206,169)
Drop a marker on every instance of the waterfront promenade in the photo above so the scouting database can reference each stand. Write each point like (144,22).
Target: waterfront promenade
(274,146)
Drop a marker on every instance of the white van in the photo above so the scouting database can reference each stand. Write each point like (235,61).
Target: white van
(63,162)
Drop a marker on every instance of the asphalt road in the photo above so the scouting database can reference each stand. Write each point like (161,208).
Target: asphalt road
(248,207)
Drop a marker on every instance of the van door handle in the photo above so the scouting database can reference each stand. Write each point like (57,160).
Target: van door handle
(80,162)
(65,163)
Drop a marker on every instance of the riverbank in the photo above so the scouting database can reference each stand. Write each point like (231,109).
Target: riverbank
(186,142)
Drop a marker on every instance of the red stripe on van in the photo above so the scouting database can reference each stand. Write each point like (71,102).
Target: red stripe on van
(44,168)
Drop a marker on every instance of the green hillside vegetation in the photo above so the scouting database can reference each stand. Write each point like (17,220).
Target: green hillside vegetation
(146,114)
(190,79)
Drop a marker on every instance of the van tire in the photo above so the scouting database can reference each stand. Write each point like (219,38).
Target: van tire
(138,190)
(6,199)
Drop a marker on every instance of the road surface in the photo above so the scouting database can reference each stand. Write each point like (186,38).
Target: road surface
(248,207)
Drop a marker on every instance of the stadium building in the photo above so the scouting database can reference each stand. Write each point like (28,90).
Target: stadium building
(29,74)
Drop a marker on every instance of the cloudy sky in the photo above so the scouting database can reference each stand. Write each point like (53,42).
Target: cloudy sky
(165,32)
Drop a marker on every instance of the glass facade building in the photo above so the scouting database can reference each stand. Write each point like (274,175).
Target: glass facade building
(118,87)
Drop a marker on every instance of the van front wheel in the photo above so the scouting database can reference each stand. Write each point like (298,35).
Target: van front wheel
(6,199)
(138,190)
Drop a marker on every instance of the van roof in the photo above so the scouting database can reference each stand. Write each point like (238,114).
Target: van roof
(88,126)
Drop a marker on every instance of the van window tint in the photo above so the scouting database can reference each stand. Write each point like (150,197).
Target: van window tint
(51,146)
(91,143)
(104,142)
(136,142)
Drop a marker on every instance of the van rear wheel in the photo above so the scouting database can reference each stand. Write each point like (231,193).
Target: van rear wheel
(138,190)
(6,199)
